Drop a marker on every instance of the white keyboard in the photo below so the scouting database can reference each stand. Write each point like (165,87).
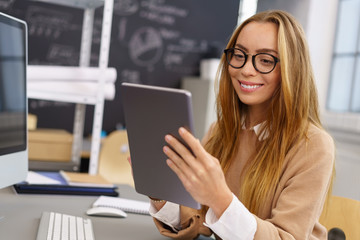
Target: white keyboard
(58,226)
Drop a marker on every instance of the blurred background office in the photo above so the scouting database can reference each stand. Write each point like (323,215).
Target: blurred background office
(177,44)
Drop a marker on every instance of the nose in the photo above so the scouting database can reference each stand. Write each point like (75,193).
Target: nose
(248,68)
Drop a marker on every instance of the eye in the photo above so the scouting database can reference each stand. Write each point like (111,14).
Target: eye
(265,59)
(238,55)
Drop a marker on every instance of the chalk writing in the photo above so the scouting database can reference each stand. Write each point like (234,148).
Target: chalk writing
(6,4)
(131,76)
(162,6)
(160,12)
(125,7)
(49,23)
(63,55)
(122,29)
(169,34)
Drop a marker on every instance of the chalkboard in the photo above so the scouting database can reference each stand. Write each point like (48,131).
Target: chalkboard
(155,42)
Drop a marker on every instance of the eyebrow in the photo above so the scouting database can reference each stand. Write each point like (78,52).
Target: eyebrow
(261,50)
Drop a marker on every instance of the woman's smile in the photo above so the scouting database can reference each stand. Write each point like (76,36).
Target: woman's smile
(249,86)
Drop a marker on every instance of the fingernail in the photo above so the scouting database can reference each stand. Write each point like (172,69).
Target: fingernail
(182,130)
(167,137)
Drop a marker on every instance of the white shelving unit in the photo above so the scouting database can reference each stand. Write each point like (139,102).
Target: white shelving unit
(97,100)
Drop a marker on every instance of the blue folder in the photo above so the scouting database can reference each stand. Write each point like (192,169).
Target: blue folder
(63,188)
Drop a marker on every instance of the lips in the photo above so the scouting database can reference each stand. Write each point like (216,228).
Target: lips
(253,86)
(249,87)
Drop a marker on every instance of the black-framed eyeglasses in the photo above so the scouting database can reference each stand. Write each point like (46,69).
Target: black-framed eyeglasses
(262,62)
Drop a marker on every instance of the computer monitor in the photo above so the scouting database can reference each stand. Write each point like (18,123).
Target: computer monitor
(13,101)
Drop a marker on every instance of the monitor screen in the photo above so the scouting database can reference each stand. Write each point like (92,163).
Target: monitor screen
(13,100)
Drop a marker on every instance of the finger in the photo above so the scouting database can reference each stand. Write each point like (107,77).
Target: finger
(188,172)
(187,180)
(173,156)
(175,168)
(193,142)
(180,149)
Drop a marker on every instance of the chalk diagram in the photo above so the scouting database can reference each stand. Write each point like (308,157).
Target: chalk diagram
(146,47)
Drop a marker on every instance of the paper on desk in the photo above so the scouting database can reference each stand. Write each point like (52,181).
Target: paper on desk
(36,178)
(127,205)
(85,179)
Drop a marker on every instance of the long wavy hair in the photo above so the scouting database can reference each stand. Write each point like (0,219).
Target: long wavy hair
(294,106)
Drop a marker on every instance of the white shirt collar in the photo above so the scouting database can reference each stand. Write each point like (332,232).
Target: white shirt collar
(256,129)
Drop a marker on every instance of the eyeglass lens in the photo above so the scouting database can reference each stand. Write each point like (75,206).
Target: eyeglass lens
(262,62)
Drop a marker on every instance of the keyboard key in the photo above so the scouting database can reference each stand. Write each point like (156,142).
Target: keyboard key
(57,226)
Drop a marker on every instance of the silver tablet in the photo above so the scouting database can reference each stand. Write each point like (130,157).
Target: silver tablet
(150,113)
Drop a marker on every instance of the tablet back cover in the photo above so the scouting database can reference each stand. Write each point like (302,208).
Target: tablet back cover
(150,113)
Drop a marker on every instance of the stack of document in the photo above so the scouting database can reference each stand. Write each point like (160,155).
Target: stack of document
(54,183)
(71,80)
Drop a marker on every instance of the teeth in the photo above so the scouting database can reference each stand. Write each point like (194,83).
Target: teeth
(250,86)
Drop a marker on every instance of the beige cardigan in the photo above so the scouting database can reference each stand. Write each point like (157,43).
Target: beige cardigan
(293,211)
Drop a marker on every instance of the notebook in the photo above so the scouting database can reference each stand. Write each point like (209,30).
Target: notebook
(85,179)
(127,205)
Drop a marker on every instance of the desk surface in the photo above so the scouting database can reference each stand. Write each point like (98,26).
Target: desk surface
(20,215)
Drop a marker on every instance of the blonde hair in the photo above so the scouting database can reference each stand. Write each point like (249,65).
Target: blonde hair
(293,106)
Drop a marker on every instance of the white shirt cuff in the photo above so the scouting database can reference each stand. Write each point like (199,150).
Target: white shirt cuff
(168,214)
(235,223)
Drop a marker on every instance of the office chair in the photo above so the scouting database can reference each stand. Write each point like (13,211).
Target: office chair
(342,213)
(113,158)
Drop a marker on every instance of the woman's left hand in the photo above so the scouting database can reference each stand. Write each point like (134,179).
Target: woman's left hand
(199,172)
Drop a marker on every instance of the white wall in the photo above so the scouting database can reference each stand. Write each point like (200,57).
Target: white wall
(320,33)
(298,8)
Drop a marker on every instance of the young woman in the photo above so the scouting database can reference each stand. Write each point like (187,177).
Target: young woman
(265,168)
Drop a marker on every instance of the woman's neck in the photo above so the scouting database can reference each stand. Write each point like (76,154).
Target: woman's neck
(254,116)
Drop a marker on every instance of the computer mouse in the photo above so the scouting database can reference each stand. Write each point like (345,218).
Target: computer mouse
(106,212)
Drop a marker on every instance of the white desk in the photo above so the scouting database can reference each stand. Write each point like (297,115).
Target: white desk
(20,215)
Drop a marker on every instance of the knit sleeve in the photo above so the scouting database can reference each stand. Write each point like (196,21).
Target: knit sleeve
(191,225)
